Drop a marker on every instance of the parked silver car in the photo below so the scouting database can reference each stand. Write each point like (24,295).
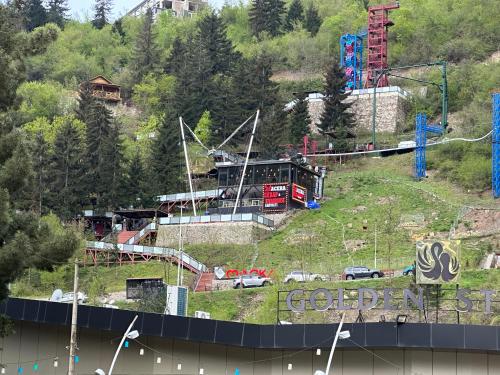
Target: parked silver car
(249,281)
(301,277)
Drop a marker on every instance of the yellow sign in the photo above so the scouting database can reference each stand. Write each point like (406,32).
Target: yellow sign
(438,262)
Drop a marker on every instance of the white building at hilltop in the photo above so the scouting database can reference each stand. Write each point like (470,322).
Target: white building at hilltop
(179,8)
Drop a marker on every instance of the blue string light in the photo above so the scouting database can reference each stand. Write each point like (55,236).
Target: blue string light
(77,359)
(20,370)
(35,366)
(126,344)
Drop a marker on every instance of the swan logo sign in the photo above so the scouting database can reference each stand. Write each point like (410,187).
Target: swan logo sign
(438,262)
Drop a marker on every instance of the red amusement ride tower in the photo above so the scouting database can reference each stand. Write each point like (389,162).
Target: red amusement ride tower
(378,26)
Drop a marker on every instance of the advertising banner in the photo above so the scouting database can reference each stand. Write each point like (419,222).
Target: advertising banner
(299,193)
(275,197)
(438,262)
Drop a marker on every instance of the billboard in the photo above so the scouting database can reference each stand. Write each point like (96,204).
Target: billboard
(438,262)
(299,193)
(275,197)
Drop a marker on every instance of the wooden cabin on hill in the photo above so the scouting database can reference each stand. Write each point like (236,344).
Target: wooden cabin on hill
(103,88)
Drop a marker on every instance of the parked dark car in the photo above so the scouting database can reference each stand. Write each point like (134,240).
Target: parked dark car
(359,272)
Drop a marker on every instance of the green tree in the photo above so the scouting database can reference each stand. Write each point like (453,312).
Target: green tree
(313,20)
(299,120)
(102,10)
(42,99)
(57,12)
(215,44)
(336,119)
(36,15)
(85,102)
(203,127)
(98,133)
(111,183)
(267,16)
(145,55)
(67,171)
(165,157)
(295,15)
(136,182)
(270,131)
(40,153)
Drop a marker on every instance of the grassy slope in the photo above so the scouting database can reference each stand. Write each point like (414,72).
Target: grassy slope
(313,241)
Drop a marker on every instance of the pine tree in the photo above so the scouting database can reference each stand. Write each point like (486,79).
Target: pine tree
(85,102)
(40,156)
(176,61)
(267,16)
(295,15)
(67,171)
(165,157)
(336,118)
(98,132)
(102,10)
(145,55)
(299,120)
(270,131)
(217,47)
(275,11)
(313,20)
(257,17)
(57,12)
(111,175)
(136,182)
(36,15)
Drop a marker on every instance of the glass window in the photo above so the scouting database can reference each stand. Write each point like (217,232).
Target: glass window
(233,176)
(222,177)
(284,173)
(260,174)
(273,173)
(248,176)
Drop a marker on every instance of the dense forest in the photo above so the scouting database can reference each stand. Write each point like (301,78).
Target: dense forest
(215,70)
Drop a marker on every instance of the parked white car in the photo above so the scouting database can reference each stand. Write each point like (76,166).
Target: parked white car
(302,277)
(249,281)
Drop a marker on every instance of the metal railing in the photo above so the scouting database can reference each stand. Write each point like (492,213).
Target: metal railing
(150,250)
(187,196)
(217,219)
(137,237)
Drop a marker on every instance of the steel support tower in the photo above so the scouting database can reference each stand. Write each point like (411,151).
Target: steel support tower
(378,26)
(420,143)
(495,144)
(351,59)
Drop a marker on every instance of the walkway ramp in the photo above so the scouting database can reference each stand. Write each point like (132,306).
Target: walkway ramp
(124,253)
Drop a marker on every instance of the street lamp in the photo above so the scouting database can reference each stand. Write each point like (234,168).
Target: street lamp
(129,334)
(340,334)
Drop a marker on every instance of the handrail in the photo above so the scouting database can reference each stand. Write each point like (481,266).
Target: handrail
(150,250)
(187,196)
(217,218)
(136,238)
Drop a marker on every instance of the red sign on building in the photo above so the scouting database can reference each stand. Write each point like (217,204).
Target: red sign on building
(275,197)
(299,193)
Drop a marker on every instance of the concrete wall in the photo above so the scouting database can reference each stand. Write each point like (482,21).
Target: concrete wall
(41,343)
(391,109)
(241,233)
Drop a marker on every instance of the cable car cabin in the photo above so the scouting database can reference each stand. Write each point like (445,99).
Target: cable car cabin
(268,186)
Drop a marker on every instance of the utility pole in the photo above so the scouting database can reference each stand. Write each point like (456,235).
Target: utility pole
(74,317)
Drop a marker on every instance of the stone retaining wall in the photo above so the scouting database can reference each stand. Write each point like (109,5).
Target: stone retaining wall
(241,233)
(392,108)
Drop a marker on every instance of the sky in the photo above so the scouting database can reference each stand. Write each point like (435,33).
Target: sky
(80,9)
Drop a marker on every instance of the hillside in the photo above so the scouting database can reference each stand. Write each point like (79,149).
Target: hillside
(362,195)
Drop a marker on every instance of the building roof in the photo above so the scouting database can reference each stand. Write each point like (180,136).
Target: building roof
(101,80)
(381,335)
(265,162)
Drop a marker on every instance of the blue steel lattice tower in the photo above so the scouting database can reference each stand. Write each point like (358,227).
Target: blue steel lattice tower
(495,151)
(420,142)
(351,59)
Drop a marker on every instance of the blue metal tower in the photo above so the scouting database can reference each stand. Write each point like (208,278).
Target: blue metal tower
(420,142)
(495,144)
(351,59)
